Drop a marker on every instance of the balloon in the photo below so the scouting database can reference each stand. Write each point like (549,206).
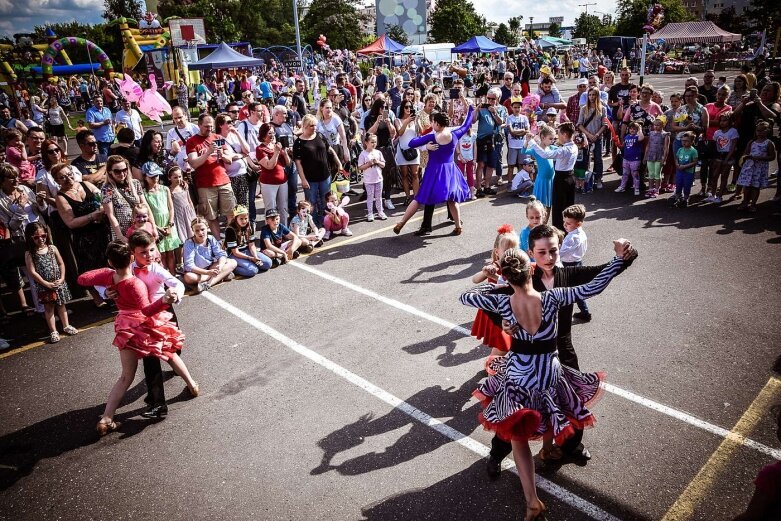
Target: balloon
(129,89)
(152,104)
(649,29)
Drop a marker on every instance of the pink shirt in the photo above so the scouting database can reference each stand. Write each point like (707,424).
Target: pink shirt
(713,118)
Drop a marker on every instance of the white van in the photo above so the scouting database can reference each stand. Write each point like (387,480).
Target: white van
(433,52)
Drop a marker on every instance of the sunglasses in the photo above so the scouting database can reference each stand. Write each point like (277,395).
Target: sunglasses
(64,175)
(491,99)
(119,170)
(233,112)
(53,150)
(437,92)
(40,236)
(229,122)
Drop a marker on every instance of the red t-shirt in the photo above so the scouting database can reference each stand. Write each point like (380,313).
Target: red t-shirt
(353,94)
(274,176)
(713,116)
(212,172)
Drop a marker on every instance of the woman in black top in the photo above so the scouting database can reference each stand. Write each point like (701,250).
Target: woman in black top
(313,155)
(377,123)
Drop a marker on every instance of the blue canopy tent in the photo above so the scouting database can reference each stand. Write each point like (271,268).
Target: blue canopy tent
(478,44)
(225,58)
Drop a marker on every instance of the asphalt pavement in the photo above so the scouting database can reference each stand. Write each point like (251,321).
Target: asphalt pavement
(339,387)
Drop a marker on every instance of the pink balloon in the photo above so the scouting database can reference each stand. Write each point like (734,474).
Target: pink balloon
(152,104)
(130,90)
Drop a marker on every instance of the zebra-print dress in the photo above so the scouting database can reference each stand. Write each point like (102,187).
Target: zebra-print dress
(532,395)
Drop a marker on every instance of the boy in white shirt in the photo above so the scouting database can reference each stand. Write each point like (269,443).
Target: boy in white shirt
(517,126)
(574,247)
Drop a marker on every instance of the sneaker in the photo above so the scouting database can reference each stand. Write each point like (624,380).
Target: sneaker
(653,195)
(203,286)
(489,191)
(389,205)
(347,233)
(370,218)
(327,235)
(582,315)
(229,277)
(382,217)
(731,188)
(637,191)
(620,189)
(319,243)
(673,200)
(296,254)
(599,185)
(479,194)
(274,263)
(683,203)
(70,330)
(54,337)
(717,199)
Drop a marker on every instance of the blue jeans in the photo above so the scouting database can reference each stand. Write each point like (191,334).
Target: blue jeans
(104,147)
(247,268)
(317,191)
(252,185)
(292,188)
(582,305)
(683,183)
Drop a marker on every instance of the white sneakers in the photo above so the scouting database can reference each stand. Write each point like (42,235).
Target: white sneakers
(370,218)
(389,205)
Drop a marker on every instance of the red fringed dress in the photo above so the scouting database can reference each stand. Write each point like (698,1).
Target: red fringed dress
(144,327)
(487,327)
(531,395)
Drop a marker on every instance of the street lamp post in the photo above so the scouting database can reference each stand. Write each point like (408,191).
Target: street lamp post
(531,28)
(298,37)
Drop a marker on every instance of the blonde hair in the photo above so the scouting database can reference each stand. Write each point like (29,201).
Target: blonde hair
(308,119)
(199,220)
(546,130)
(536,205)
(505,238)
(597,105)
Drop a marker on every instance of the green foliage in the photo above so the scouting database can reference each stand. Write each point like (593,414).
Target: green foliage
(729,20)
(337,20)
(515,24)
(114,9)
(455,21)
(591,28)
(260,22)
(633,15)
(504,36)
(765,14)
(554,30)
(100,34)
(396,33)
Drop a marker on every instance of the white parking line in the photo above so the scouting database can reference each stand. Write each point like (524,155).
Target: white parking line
(664,409)
(397,403)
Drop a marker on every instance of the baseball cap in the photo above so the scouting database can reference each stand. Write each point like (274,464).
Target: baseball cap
(545,69)
(552,111)
(151,169)
(516,99)
(527,161)
(282,100)
(582,81)
(271,212)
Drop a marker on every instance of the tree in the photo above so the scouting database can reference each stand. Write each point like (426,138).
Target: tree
(260,22)
(455,21)
(633,15)
(729,20)
(516,25)
(554,30)
(396,33)
(765,14)
(114,9)
(591,28)
(504,36)
(337,20)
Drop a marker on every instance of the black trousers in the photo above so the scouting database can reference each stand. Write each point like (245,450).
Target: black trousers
(500,449)
(153,376)
(563,196)
(428,216)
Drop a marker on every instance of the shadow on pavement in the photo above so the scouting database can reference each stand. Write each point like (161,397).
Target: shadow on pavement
(21,451)
(419,440)
(447,342)
(468,266)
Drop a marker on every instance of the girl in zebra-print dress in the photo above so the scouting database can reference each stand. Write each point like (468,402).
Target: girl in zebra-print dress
(532,395)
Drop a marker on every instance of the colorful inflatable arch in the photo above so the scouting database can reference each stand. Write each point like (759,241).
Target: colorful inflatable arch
(47,60)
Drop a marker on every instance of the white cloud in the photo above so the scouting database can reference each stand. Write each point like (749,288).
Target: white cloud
(26,14)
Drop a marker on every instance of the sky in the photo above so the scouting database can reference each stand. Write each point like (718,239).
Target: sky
(22,15)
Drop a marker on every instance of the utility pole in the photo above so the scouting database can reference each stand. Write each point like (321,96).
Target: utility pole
(531,28)
(586,6)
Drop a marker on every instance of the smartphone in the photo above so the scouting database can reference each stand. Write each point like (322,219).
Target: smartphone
(454,93)
(752,94)
(219,142)
(284,141)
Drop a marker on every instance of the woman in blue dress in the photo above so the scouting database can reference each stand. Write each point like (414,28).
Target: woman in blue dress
(442,181)
(543,183)
(532,395)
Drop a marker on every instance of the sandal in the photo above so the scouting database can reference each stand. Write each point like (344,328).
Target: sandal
(457,231)
(195,390)
(70,330)
(553,454)
(536,513)
(106,425)
(54,337)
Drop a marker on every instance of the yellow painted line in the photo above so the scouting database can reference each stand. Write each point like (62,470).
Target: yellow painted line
(33,345)
(684,507)
(327,247)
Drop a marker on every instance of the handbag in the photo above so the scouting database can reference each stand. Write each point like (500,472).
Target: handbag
(410,154)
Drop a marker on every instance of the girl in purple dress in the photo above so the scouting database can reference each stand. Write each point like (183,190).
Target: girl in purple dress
(442,181)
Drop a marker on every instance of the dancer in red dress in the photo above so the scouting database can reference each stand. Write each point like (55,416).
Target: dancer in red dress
(487,326)
(142,328)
